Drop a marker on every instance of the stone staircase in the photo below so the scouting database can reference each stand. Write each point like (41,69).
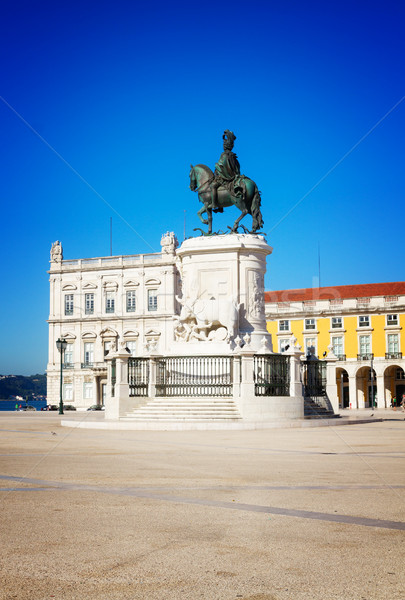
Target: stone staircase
(185,410)
(317,410)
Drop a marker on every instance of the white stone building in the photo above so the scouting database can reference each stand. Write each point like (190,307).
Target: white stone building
(101,304)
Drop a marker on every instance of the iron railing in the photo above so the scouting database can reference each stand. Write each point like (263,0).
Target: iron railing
(365,356)
(314,378)
(341,356)
(138,376)
(393,355)
(194,376)
(87,365)
(272,375)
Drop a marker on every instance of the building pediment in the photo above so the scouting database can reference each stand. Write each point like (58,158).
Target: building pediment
(152,332)
(131,333)
(152,281)
(131,283)
(108,332)
(89,335)
(89,286)
(69,287)
(68,336)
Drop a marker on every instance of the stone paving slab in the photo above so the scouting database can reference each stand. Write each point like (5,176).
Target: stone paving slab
(312,513)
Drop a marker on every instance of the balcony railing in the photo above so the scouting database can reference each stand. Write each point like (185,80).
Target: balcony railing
(68,365)
(341,356)
(393,355)
(365,356)
(87,365)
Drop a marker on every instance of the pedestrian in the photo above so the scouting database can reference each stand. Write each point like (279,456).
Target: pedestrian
(403,403)
(16,405)
(394,403)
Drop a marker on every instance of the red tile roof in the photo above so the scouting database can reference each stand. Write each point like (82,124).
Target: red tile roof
(396,288)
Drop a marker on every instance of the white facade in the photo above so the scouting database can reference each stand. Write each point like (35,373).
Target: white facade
(102,304)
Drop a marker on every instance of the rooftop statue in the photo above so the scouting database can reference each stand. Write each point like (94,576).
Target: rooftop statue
(226,187)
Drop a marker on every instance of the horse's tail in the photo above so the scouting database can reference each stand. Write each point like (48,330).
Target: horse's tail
(256,212)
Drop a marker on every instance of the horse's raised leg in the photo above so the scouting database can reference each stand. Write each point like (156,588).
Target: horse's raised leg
(200,214)
(236,224)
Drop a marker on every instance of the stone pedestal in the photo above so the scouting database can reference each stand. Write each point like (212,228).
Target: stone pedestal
(222,294)
(117,397)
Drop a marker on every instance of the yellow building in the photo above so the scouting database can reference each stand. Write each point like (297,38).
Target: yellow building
(363,325)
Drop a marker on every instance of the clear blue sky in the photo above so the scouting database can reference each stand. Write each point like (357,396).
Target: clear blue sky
(131,93)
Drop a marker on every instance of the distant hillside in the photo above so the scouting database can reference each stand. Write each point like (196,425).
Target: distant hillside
(19,385)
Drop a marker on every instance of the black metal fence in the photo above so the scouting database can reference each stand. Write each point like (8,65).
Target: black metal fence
(138,376)
(314,378)
(194,376)
(272,375)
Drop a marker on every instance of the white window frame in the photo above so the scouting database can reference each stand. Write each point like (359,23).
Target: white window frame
(89,304)
(282,342)
(369,346)
(131,346)
(67,392)
(392,335)
(310,324)
(69,304)
(391,322)
(314,345)
(68,354)
(87,390)
(364,321)
(152,300)
(284,325)
(341,344)
(110,303)
(131,301)
(335,323)
(88,353)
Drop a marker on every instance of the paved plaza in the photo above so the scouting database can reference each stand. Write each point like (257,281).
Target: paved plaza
(277,514)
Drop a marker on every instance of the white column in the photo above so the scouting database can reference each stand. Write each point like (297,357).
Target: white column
(236,376)
(331,386)
(247,385)
(380,391)
(360,392)
(352,391)
(113,403)
(152,376)
(295,354)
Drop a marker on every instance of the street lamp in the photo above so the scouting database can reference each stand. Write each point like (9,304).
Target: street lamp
(61,344)
(372,385)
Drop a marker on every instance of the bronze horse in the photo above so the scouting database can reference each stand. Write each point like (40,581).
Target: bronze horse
(200,179)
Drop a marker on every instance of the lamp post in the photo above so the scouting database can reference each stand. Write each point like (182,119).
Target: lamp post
(61,344)
(372,385)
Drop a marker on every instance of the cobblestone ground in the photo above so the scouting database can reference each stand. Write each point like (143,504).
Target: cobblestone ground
(312,513)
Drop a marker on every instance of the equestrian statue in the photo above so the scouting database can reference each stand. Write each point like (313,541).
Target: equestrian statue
(226,187)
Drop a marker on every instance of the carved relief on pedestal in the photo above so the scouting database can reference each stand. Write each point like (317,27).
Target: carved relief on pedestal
(256,296)
(206,320)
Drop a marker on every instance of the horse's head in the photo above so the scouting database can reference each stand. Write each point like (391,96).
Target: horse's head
(199,175)
(193,179)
